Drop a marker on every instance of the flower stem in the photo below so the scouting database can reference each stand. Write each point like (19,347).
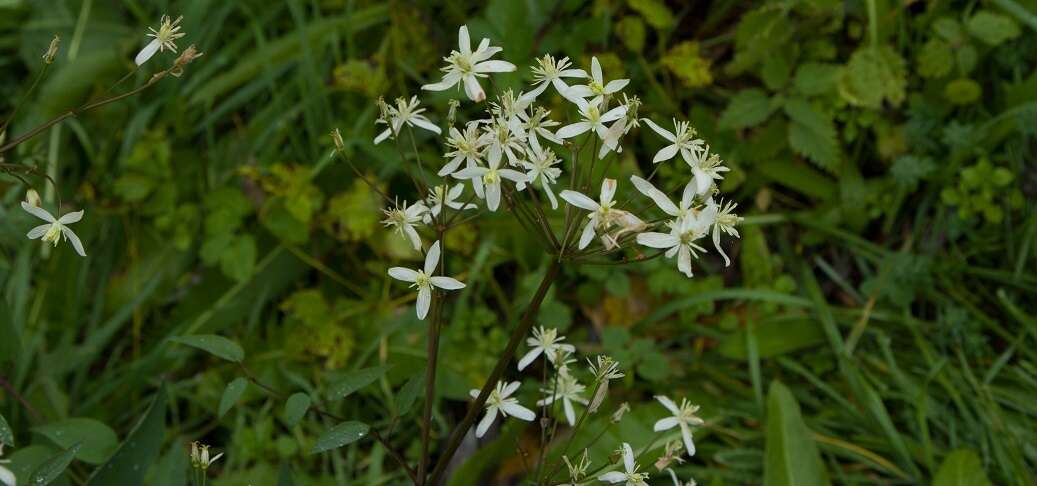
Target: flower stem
(521,330)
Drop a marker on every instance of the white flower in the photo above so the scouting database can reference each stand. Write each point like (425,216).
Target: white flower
(489,179)
(405,113)
(540,166)
(684,416)
(504,137)
(55,228)
(682,140)
(467,147)
(567,389)
(681,238)
(540,124)
(545,341)
(602,215)
(579,470)
(597,86)
(630,477)
(707,168)
(466,67)
(594,119)
(605,370)
(423,280)
(548,71)
(163,38)
(664,203)
(6,476)
(725,222)
(439,197)
(200,456)
(500,402)
(404,219)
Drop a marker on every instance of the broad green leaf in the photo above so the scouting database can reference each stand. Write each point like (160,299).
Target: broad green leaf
(874,75)
(814,78)
(6,435)
(218,346)
(232,394)
(992,28)
(935,59)
(961,468)
(774,338)
(239,260)
(53,467)
(655,12)
(812,134)
(791,456)
(408,394)
(747,108)
(98,440)
(138,451)
(295,408)
(342,434)
(355,380)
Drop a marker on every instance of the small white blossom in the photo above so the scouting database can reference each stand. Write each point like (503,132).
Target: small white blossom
(630,477)
(404,219)
(725,222)
(567,389)
(681,238)
(597,86)
(500,402)
(549,71)
(602,215)
(163,38)
(467,147)
(489,179)
(466,67)
(439,197)
(55,228)
(539,124)
(406,112)
(540,167)
(594,120)
(504,137)
(683,416)
(545,341)
(707,168)
(664,203)
(200,456)
(682,140)
(424,279)
(605,370)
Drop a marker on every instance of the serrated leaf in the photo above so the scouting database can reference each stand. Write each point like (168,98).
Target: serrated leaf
(295,408)
(232,394)
(935,59)
(53,467)
(98,440)
(908,170)
(961,468)
(874,75)
(791,456)
(340,435)
(6,435)
(218,346)
(408,394)
(356,380)
(992,28)
(815,78)
(747,108)
(812,134)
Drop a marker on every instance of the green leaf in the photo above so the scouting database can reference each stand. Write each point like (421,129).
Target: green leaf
(218,346)
(238,260)
(295,408)
(812,134)
(935,59)
(874,75)
(962,91)
(340,435)
(655,12)
(961,468)
(408,394)
(992,28)
(232,394)
(354,381)
(814,78)
(98,440)
(6,435)
(791,456)
(774,337)
(53,467)
(747,108)
(141,447)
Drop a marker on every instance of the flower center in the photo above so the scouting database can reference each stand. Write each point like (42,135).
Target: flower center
(491,177)
(422,280)
(596,87)
(53,234)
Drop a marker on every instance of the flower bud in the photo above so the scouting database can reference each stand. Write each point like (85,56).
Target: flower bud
(32,197)
(48,57)
(340,145)
(185,58)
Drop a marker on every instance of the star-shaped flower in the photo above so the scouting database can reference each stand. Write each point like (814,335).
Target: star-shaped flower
(404,219)
(163,38)
(682,140)
(597,86)
(405,113)
(55,228)
(683,416)
(500,402)
(545,341)
(424,280)
(630,477)
(466,66)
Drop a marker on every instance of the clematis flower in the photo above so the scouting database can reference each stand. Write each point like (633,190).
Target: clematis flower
(595,120)
(489,179)
(567,389)
(630,476)
(545,341)
(423,280)
(681,238)
(664,203)
(605,370)
(200,456)
(725,222)
(539,124)
(682,140)
(597,86)
(466,67)
(707,168)
(439,197)
(468,146)
(602,215)
(55,228)
(404,219)
(683,416)
(549,71)
(500,402)
(163,38)
(404,113)
(540,167)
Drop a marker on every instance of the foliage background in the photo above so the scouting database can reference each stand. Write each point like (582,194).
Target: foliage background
(884,284)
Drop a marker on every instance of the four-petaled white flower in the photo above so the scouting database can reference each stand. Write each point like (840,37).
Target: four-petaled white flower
(423,280)
(567,389)
(468,148)
(682,140)
(163,38)
(549,71)
(683,416)
(682,236)
(55,228)
(489,179)
(595,120)
(404,219)
(707,168)
(406,112)
(630,477)
(540,124)
(602,215)
(545,341)
(725,223)
(439,197)
(466,67)
(605,370)
(540,166)
(500,402)
(6,476)
(664,203)
(597,86)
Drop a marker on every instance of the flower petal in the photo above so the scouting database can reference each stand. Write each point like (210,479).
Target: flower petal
(38,212)
(485,423)
(492,196)
(628,457)
(666,402)
(587,235)
(660,130)
(464,42)
(424,302)
(660,199)
(596,69)
(664,154)
(510,388)
(38,231)
(148,51)
(426,124)
(78,245)
(529,357)
(71,217)
(447,283)
(494,66)
(412,235)
(702,180)
(404,274)
(657,240)
(666,424)
(608,190)
(612,477)
(519,412)
(472,88)
(579,200)
(570,414)
(573,130)
(688,443)
(432,258)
